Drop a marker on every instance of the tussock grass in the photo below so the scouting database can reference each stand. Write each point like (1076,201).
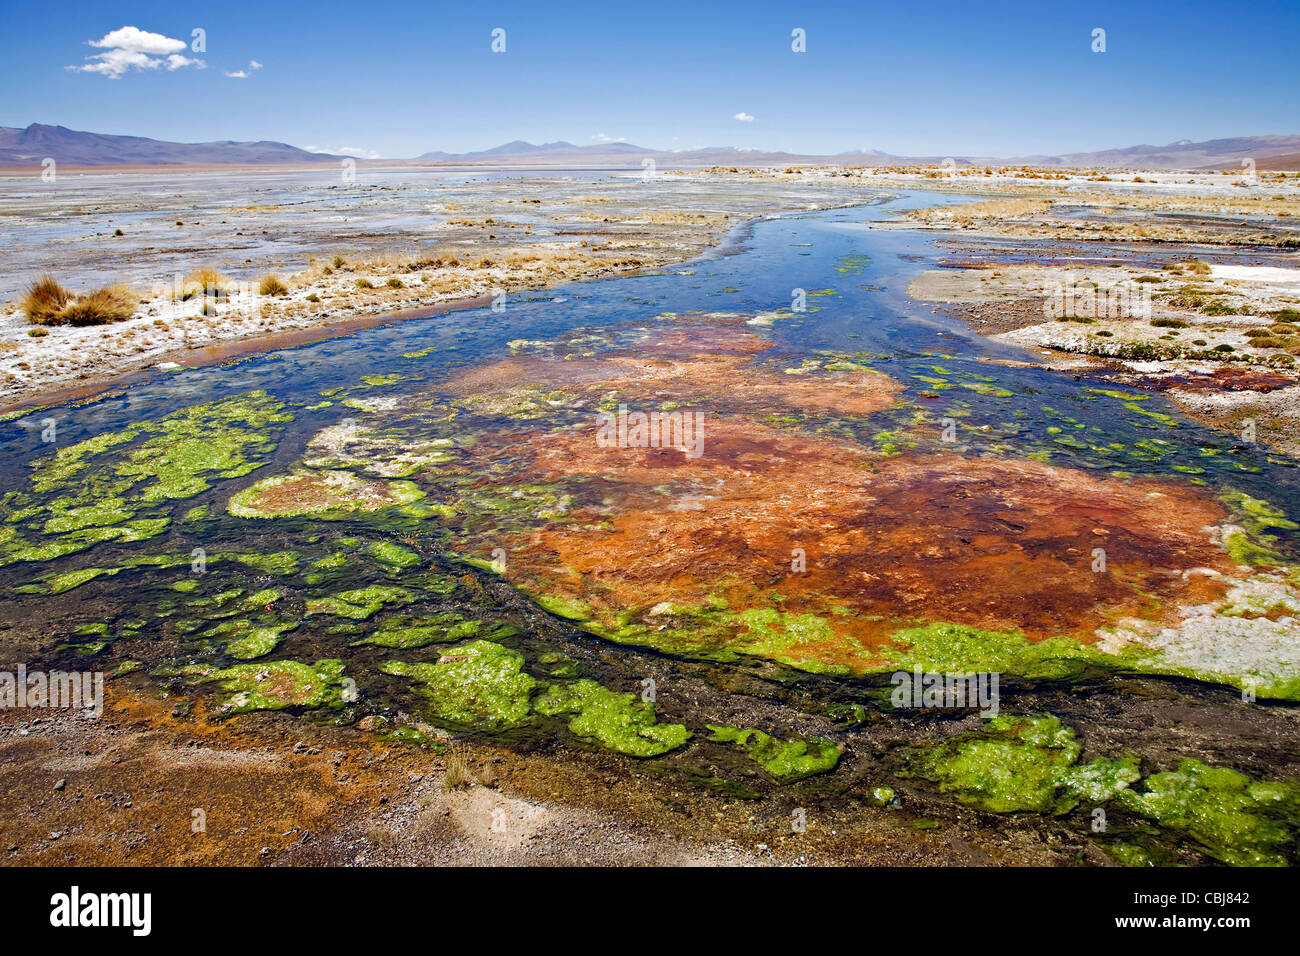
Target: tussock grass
(458,775)
(209,280)
(271,285)
(44,301)
(48,303)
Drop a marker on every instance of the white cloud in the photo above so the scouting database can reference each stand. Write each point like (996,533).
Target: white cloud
(130,48)
(245,74)
(356,151)
(602,138)
(744,117)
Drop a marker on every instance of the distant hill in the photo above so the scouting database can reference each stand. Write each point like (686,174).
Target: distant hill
(28,147)
(557,151)
(67,147)
(1218,153)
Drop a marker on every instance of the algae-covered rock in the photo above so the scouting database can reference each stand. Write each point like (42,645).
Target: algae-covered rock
(617,721)
(1236,820)
(359,603)
(275,685)
(480,685)
(323,494)
(1019,763)
(787,761)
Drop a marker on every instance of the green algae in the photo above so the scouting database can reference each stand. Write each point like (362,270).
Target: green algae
(957,648)
(480,685)
(247,641)
(787,761)
(1017,764)
(394,555)
(275,685)
(111,486)
(280,563)
(359,603)
(339,494)
(412,632)
(1235,820)
(616,721)
(64,581)
(788,638)
(1254,544)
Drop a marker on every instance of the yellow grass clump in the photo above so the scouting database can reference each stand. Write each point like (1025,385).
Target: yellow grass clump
(271,285)
(48,303)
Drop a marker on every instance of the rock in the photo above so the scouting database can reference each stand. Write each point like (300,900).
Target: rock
(61,784)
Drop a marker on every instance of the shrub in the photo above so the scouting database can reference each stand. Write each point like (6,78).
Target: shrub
(1219,307)
(48,303)
(338,262)
(396,283)
(111,304)
(1169,323)
(313,297)
(272,285)
(45,299)
(205,282)
(365,284)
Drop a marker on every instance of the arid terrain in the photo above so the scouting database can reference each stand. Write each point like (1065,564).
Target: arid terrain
(368,586)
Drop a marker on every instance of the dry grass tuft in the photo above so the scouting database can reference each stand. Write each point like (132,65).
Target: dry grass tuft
(48,303)
(458,775)
(271,285)
(45,300)
(115,303)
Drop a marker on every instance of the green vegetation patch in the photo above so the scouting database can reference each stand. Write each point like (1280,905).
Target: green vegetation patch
(322,494)
(411,632)
(1236,820)
(275,685)
(480,685)
(787,761)
(116,485)
(617,721)
(1015,764)
(359,603)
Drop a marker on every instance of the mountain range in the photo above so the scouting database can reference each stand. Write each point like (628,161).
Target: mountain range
(68,147)
(28,147)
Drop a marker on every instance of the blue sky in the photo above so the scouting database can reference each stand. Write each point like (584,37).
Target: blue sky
(921,78)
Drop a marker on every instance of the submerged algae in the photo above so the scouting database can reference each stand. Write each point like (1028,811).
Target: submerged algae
(617,721)
(1016,764)
(321,494)
(1235,820)
(480,685)
(137,470)
(359,603)
(413,632)
(275,685)
(787,761)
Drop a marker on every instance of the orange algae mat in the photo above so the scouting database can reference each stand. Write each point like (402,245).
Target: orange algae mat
(772,526)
